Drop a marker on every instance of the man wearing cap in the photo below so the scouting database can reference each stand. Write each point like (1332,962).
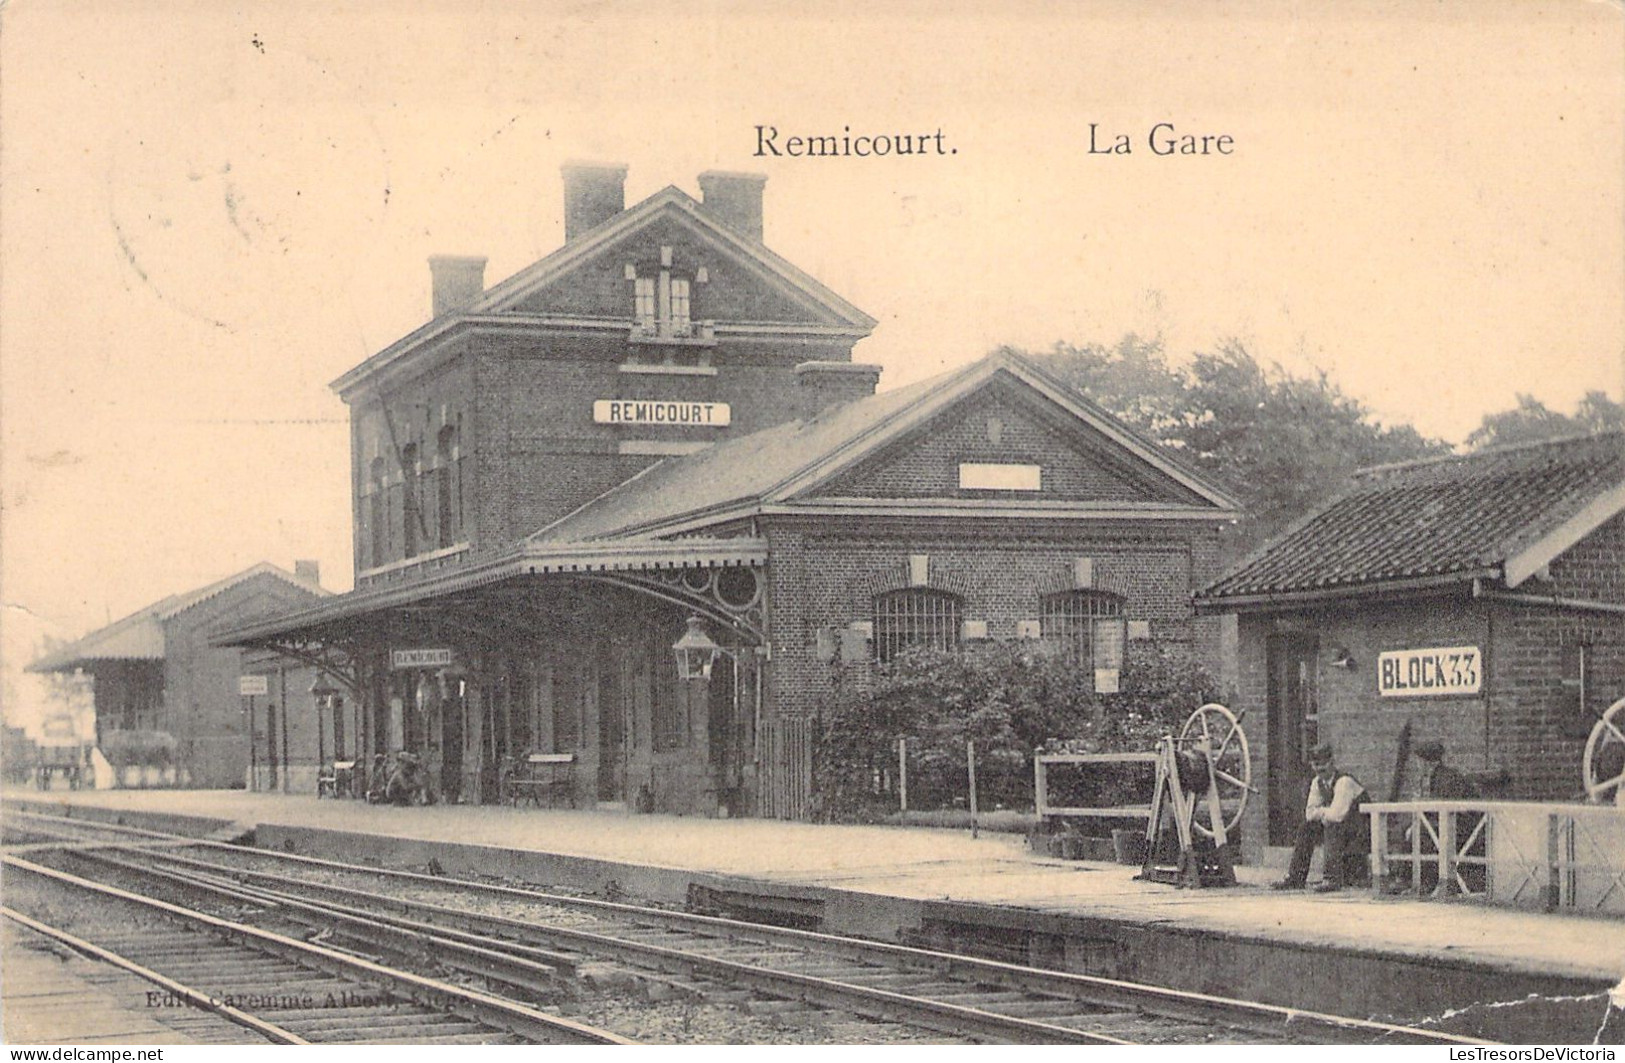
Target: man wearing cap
(1440,782)
(1331,817)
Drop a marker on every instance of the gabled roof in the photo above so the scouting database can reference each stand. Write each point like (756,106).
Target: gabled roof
(746,475)
(1500,513)
(669,202)
(140,636)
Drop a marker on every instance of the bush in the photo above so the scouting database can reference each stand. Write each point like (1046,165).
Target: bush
(145,749)
(1011,699)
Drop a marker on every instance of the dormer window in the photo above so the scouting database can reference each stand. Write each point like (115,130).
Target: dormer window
(663,302)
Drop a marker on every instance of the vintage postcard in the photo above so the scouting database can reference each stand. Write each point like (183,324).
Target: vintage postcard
(823,523)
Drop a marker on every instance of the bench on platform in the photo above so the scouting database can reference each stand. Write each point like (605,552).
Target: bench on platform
(537,775)
(337,780)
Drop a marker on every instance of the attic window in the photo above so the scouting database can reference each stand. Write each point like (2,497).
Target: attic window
(663,301)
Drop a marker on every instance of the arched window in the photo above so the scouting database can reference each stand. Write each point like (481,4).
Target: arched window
(411,510)
(377,515)
(915,616)
(1087,629)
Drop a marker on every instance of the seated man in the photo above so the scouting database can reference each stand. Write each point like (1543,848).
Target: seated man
(1331,816)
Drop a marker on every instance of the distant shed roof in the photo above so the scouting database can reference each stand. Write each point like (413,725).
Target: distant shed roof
(140,636)
(1502,512)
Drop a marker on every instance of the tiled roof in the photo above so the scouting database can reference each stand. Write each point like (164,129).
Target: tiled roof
(778,463)
(734,471)
(1458,516)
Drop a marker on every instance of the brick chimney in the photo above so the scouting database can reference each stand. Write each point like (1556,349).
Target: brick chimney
(456,281)
(309,572)
(594,192)
(734,199)
(826,384)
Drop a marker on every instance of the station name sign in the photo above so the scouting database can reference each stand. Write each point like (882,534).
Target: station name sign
(251,686)
(662,411)
(1430,673)
(424,658)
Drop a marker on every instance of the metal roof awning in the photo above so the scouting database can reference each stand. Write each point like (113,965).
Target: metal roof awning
(526,559)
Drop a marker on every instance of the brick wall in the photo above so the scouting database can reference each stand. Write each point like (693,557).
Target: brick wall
(823,579)
(1593,568)
(202,708)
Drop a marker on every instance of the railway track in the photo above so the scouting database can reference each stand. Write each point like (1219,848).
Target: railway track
(526,940)
(288,990)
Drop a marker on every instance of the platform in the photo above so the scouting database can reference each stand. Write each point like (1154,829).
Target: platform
(50,995)
(1345,952)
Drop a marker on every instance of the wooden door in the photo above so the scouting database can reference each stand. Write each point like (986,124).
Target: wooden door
(1293,730)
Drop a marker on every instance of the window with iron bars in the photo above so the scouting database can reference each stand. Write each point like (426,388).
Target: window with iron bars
(1085,627)
(915,617)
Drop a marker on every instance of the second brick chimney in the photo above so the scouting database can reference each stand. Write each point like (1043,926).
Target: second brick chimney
(594,192)
(735,199)
(455,281)
(825,384)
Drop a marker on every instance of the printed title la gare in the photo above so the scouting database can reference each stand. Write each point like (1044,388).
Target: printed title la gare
(1162,139)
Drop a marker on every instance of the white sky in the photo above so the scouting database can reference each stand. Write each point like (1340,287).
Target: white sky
(209,211)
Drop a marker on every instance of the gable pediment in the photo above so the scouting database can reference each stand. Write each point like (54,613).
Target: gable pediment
(1005,442)
(732,279)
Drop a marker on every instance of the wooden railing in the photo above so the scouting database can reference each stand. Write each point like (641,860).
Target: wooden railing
(1567,857)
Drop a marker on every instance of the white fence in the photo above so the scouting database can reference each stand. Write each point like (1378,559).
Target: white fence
(1555,857)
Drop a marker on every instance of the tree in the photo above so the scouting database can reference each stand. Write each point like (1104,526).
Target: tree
(1531,421)
(1278,442)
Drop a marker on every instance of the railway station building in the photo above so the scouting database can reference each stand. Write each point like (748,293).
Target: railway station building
(635,511)
(169,707)
(1479,598)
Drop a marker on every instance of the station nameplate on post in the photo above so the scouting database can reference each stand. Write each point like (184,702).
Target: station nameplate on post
(425,658)
(662,411)
(1430,673)
(249,686)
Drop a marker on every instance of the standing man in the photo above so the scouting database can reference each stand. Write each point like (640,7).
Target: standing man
(1332,817)
(1441,782)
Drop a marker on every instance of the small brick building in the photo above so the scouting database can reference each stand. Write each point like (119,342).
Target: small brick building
(662,421)
(1481,598)
(157,673)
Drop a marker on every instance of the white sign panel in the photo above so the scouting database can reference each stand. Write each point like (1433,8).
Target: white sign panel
(1000,476)
(249,686)
(662,411)
(1430,673)
(427,658)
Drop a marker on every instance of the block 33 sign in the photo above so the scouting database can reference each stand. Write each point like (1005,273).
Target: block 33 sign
(1430,673)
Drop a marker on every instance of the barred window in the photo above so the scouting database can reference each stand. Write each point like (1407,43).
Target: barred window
(1086,628)
(915,616)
